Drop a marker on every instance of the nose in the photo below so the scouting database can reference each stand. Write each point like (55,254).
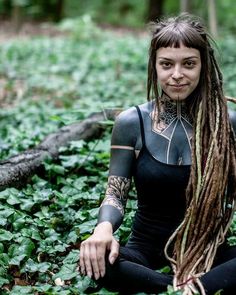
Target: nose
(177,72)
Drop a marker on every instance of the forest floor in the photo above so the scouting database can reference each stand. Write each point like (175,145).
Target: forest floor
(31,29)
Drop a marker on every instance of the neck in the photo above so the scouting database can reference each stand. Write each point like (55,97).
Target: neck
(174,108)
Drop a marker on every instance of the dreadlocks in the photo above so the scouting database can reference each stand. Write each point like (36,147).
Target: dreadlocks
(210,195)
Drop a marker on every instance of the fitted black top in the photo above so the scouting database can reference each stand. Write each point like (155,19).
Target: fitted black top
(161,198)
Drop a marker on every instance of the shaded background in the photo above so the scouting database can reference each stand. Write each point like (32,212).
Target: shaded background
(220,14)
(60,61)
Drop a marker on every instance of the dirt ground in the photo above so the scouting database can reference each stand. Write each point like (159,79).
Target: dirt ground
(27,30)
(30,29)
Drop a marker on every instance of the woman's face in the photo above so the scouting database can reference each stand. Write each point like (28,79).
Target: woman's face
(178,70)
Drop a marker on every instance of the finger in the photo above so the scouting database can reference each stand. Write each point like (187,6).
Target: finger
(87,262)
(94,262)
(101,252)
(81,259)
(114,251)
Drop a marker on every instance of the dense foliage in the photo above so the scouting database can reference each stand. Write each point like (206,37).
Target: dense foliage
(45,84)
(130,13)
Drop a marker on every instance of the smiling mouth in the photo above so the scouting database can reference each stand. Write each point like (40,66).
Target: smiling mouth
(178,85)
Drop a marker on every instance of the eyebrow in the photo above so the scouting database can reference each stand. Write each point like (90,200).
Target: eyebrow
(189,57)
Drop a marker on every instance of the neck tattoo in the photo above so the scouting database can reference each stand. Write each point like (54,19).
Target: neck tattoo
(170,111)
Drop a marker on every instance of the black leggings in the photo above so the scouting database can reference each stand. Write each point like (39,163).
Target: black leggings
(134,272)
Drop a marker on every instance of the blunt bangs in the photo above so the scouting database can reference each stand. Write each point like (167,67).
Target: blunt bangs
(177,34)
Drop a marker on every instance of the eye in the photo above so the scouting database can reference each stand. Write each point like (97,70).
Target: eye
(189,64)
(165,64)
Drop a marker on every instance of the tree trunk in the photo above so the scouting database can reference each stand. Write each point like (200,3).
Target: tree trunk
(58,10)
(155,9)
(185,5)
(7,7)
(16,18)
(212,19)
(18,169)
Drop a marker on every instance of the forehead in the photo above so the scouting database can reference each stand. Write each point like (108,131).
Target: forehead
(174,53)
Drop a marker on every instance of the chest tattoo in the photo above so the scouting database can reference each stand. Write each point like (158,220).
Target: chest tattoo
(174,123)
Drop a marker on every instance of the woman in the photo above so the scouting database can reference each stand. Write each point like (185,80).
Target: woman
(180,149)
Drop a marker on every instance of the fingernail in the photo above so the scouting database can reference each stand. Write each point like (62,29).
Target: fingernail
(112,260)
(89,274)
(96,275)
(102,274)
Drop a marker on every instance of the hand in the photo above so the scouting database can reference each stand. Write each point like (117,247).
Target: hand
(93,251)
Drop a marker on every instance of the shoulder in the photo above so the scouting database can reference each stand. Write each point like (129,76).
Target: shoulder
(232,118)
(127,117)
(130,117)
(126,129)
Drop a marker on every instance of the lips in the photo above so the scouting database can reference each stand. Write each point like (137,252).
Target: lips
(178,85)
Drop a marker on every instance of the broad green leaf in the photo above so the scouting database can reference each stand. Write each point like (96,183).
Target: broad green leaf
(32,233)
(72,257)
(16,260)
(18,252)
(3,281)
(1,248)
(5,194)
(43,288)
(26,204)
(67,272)
(4,259)
(5,235)
(18,290)
(6,212)
(32,266)
(13,199)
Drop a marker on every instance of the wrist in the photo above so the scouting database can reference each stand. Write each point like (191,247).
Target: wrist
(104,226)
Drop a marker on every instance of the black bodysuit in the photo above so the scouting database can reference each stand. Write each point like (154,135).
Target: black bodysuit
(161,206)
(161,197)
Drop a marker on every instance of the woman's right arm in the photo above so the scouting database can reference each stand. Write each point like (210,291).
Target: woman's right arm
(111,212)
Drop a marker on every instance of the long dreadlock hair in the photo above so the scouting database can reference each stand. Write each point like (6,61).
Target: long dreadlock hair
(211,193)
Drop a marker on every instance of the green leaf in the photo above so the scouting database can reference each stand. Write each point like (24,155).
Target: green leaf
(18,252)
(13,199)
(26,204)
(72,257)
(4,259)
(4,281)
(17,290)
(219,292)
(1,248)
(16,260)
(32,233)
(87,227)
(67,272)
(5,235)
(5,194)
(43,288)
(6,212)
(165,269)
(32,266)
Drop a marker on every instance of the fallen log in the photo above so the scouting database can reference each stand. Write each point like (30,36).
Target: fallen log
(18,169)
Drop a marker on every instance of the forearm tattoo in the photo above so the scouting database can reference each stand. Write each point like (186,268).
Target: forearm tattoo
(117,192)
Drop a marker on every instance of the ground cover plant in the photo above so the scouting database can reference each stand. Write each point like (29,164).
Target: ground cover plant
(46,84)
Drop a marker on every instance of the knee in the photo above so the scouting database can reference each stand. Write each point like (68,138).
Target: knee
(111,278)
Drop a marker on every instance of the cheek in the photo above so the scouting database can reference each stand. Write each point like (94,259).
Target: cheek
(162,77)
(196,78)
(198,73)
